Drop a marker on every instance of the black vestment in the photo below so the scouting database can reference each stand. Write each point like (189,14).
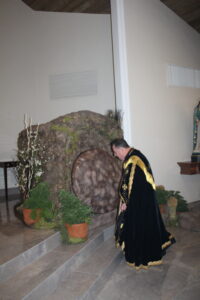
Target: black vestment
(140,230)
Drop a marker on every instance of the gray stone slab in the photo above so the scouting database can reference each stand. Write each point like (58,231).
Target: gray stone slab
(177,278)
(190,293)
(72,286)
(191,256)
(50,284)
(11,267)
(44,274)
(109,232)
(101,280)
(86,281)
(98,261)
(17,238)
(127,283)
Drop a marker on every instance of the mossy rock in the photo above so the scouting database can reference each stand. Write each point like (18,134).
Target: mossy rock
(65,138)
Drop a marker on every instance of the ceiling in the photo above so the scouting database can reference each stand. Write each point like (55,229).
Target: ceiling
(188,10)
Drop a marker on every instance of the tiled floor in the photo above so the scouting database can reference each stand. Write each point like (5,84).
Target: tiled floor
(178,278)
(14,236)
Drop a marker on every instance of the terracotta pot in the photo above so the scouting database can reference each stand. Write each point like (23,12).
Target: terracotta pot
(77,232)
(162,208)
(27,216)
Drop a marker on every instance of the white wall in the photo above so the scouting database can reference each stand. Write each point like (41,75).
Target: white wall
(35,45)
(161,116)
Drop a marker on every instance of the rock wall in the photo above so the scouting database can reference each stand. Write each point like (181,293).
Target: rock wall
(66,137)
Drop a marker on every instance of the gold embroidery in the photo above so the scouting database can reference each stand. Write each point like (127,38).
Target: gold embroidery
(123,246)
(151,263)
(137,161)
(124,186)
(167,243)
(117,245)
(121,199)
(131,179)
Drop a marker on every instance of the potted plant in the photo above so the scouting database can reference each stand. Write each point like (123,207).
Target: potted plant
(38,205)
(31,161)
(162,195)
(175,202)
(75,216)
(182,205)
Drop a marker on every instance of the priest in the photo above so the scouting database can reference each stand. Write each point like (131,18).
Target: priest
(140,230)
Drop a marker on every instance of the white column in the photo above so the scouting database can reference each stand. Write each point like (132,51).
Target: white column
(120,65)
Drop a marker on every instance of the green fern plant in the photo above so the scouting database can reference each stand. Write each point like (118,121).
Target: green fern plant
(182,203)
(162,195)
(39,198)
(73,210)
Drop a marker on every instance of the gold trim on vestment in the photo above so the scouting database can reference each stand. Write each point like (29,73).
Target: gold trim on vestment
(145,267)
(138,162)
(163,246)
(151,263)
(131,179)
(124,187)
(123,246)
(168,242)
(120,246)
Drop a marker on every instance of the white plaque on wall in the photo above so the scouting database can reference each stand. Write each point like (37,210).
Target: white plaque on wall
(183,77)
(76,84)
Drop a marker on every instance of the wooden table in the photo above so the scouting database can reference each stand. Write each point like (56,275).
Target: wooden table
(5,165)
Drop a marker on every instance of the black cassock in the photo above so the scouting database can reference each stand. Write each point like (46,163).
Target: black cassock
(140,230)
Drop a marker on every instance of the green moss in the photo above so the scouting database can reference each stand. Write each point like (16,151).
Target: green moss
(107,129)
(67,119)
(73,240)
(60,128)
(74,137)
(42,224)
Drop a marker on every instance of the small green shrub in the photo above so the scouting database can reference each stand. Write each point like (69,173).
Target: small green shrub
(182,203)
(39,198)
(73,210)
(162,196)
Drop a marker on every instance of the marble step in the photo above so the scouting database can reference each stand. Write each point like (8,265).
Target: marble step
(16,264)
(42,277)
(89,278)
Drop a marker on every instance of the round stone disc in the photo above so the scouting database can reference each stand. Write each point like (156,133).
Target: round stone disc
(95,180)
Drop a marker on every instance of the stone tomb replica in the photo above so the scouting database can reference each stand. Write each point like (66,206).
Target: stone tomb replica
(78,158)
